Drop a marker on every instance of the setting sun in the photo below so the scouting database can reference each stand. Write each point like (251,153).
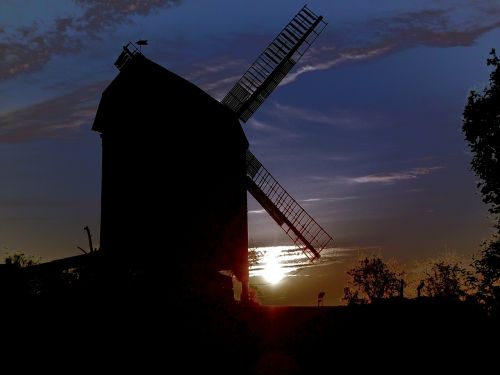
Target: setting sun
(273,271)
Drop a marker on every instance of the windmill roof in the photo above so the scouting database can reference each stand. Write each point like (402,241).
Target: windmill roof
(149,95)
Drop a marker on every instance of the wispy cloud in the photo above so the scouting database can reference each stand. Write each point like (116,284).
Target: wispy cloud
(363,41)
(98,15)
(447,26)
(303,114)
(264,127)
(256,211)
(329,199)
(213,67)
(291,259)
(341,158)
(219,87)
(352,55)
(30,47)
(392,177)
(341,119)
(51,118)
(319,178)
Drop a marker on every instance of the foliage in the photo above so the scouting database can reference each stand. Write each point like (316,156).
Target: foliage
(352,297)
(481,126)
(488,270)
(254,256)
(371,279)
(448,280)
(21,260)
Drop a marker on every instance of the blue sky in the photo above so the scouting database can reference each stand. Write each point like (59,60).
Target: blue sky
(365,132)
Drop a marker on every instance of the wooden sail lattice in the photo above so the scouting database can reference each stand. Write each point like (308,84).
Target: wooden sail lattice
(304,231)
(272,65)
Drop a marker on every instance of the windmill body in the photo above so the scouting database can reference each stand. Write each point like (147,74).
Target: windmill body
(176,166)
(173,175)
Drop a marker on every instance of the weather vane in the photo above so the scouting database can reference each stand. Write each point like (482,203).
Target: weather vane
(140,43)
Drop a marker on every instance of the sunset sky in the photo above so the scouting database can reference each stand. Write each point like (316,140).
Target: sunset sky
(365,132)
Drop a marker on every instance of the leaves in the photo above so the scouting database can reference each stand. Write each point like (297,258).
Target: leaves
(449,280)
(21,260)
(371,278)
(481,126)
(488,269)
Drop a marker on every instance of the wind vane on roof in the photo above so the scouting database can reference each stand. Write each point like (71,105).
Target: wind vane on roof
(141,42)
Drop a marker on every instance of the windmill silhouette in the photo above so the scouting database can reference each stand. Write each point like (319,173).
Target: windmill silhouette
(176,167)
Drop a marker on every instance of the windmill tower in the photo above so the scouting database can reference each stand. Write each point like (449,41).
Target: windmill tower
(176,167)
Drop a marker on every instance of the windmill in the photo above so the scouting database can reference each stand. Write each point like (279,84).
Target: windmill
(209,209)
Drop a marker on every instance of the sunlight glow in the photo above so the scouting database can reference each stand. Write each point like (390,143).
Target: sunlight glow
(273,272)
(272,267)
(274,263)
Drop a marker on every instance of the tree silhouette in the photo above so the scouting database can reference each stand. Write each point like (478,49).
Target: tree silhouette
(446,280)
(21,260)
(488,270)
(352,297)
(481,126)
(371,279)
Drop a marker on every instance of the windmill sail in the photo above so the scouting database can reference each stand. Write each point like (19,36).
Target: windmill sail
(304,231)
(274,63)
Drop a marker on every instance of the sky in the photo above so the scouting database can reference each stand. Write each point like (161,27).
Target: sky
(365,132)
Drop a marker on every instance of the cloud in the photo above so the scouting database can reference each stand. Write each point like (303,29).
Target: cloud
(312,200)
(29,48)
(263,127)
(370,39)
(449,26)
(213,68)
(353,55)
(341,119)
(55,117)
(304,114)
(391,177)
(291,259)
(330,199)
(219,87)
(341,158)
(319,178)
(257,211)
(459,24)
(98,14)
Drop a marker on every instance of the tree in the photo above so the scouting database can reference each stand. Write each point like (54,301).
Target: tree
(352,297)
(21,260)
(371,279)
(488,270)
(448,280)
(481,126)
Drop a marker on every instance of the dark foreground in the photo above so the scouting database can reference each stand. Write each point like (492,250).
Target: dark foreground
(141,336)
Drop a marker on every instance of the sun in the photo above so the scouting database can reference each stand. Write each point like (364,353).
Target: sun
(273,272)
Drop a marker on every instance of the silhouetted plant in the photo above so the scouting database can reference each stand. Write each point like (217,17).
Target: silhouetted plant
(352,297)
(21,260)
(481,125)
(488,270)
(254,256)
(371,279)
(447,280)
